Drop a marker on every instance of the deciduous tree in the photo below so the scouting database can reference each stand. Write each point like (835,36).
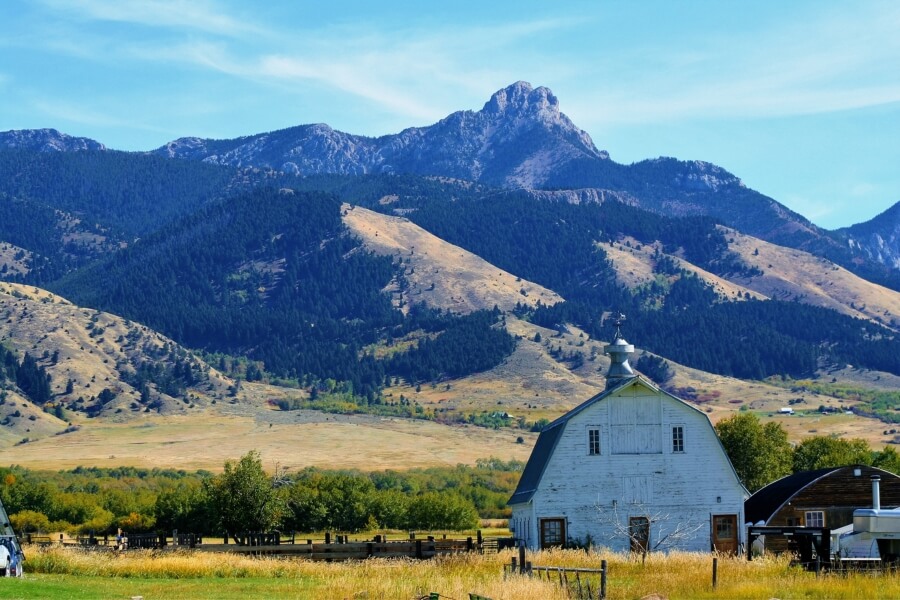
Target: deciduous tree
(820,452)
(760,453)
(244,498)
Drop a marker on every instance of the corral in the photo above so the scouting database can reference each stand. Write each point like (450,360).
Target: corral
(332,548)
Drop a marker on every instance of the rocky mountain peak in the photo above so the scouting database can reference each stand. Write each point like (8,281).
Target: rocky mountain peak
(46,140)
(877,239)
(522,99)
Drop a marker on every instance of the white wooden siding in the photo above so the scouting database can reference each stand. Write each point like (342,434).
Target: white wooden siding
(592,492)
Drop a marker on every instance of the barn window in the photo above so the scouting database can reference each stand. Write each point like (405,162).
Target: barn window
(678,438)
(815,518)
(593,442)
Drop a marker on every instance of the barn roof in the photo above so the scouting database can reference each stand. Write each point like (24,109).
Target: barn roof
(534,468)
(766,501)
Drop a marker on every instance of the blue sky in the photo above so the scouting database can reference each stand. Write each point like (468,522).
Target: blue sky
(800,99)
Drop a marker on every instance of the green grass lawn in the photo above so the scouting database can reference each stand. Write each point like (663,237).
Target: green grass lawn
(78,587)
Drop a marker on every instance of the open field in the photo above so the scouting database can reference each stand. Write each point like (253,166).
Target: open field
(294,439)
(59,573)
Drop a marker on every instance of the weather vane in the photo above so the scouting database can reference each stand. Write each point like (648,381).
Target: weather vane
(620,318)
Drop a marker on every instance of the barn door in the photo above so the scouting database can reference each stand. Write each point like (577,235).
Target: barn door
(725,533)
(639,534)
(553,533)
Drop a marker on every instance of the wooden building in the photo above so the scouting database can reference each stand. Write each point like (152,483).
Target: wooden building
(633,468)
(820,498)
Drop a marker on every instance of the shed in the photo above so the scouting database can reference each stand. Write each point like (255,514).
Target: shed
(820,498)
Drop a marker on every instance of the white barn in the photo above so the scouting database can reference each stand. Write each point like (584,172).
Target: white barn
(633,468)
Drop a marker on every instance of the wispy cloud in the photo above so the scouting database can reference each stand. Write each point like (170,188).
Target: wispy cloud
(405,71)
(199,15)
(833,62)
(402,71)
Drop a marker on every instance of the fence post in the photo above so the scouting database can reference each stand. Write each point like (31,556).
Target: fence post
(327,537)
(522,557)
(512,568)
(602,580)
(715,580)
(418,548)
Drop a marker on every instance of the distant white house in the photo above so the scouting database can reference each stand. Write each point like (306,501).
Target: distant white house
(633,468)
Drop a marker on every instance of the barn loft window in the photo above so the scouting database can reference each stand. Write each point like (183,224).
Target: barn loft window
(593,442)
(635,426)
(678,438)
(815,518)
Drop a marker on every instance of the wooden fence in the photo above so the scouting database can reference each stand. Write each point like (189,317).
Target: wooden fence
(579,583)
(334,548)
(343,548)
(427,548)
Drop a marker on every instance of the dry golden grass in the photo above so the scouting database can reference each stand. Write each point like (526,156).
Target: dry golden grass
(94,348)
(294,439)
(440,274)
(676,575)
(634,265)
(790,274)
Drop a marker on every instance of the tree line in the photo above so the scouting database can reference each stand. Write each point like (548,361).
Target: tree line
(761,453)
(246,498)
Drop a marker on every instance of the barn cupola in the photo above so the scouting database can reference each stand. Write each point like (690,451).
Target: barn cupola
(618,352)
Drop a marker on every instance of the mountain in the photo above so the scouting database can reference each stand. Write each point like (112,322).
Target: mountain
(521,139)
(46,140)
(877,239)
(517,139)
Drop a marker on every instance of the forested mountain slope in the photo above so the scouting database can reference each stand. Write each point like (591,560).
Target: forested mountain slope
(275,276)
(87,363)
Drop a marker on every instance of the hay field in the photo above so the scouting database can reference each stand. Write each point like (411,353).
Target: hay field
(59,573)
